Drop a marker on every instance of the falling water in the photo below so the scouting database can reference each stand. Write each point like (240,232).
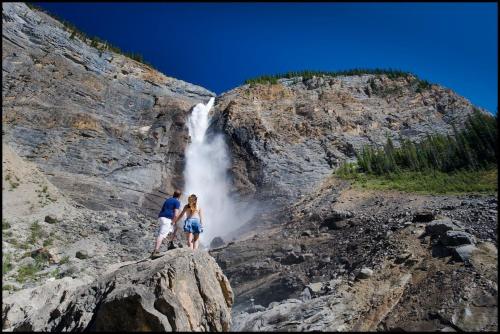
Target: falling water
(205,174)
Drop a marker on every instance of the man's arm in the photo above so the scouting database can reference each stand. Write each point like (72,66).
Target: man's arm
(176,211)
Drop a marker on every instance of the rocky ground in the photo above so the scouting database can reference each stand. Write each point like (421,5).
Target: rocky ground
(351,259)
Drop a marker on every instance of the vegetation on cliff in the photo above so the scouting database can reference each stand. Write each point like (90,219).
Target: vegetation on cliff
(93,41)
(307,74)
(462,162)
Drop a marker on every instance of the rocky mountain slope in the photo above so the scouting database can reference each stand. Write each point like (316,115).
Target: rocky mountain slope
(106,130)
(181,291)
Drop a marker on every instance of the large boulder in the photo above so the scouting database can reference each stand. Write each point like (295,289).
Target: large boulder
(217,242)
(423,216)
(334,220)
(438,228)
(183,290)
(456,238)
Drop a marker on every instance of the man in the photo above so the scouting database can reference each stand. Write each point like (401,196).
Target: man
(166,216)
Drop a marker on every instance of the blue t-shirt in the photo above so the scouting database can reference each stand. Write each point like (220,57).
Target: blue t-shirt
(167,210)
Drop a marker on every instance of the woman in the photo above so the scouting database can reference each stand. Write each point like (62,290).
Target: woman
(193,224)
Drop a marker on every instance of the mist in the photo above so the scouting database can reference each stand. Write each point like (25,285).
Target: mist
(206,176)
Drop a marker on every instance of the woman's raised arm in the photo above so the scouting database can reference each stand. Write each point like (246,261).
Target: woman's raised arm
(180,215)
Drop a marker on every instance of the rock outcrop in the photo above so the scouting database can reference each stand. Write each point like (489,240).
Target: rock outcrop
(106,130)
(180,291)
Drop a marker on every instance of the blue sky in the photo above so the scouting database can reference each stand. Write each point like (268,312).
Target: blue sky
(219,45)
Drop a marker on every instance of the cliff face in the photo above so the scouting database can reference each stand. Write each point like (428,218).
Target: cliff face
(98,124)
(286,137)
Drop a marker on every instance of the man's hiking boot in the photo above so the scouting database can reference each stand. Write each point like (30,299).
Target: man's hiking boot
(155,255)
(171,245)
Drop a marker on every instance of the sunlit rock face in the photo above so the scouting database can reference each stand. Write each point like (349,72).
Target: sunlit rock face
(285,138)
(181,291)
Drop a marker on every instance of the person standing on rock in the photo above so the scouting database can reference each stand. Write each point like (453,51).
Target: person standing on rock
(166,219)
(193,225)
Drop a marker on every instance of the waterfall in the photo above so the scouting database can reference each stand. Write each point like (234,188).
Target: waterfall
(205,175)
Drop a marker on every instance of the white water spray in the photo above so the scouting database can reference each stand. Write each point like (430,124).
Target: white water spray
(205,174)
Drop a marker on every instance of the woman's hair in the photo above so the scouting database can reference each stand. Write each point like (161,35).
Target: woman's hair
(192,202)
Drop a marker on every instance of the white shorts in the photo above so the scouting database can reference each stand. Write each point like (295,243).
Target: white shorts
(164,228)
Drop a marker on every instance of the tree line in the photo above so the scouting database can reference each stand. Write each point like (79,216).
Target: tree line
(307,74)
(472,148)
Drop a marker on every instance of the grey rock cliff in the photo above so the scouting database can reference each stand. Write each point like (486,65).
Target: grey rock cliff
(107,130)
(285,138)
(181,291)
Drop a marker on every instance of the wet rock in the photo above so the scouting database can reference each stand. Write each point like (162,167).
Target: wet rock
(335,219)
(292,258)
(103,228)
(438,228)
(217,242)
(423,216)
(306,233)
(336,225)
(82,254)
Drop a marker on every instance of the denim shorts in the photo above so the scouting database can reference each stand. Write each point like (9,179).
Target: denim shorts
(192,225)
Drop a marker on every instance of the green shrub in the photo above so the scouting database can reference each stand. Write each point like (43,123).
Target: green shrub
(64,260)
(27,272)
(5,224)
(41,260)
(35,233)
(8,287)
(14,242)
(6,264)
(55,273)
(48,242)
(13,184)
